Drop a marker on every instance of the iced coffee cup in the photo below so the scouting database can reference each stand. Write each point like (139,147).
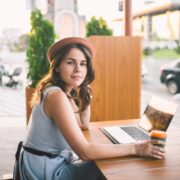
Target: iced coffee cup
(160,136)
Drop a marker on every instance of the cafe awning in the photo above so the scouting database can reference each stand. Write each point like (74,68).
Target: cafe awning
(156,9)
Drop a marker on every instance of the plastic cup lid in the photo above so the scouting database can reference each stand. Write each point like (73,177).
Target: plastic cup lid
(158,134)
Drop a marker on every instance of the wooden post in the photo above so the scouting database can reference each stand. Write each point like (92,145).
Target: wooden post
(127,17)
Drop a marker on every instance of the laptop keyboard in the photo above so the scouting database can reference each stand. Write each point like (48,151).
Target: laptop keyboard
(136,133)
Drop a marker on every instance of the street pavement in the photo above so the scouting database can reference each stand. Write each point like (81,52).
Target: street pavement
(13,127)
(12,105)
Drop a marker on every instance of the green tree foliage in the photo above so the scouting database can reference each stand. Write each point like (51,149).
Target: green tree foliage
(98,27)
(177,49)
(40,39)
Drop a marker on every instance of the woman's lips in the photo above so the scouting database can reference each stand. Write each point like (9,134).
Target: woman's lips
(76,77)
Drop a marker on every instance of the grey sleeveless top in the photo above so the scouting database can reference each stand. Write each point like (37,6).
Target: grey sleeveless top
(43,134)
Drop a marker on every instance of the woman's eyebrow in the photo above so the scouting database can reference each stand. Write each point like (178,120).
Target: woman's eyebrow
(84,60)
(70,59)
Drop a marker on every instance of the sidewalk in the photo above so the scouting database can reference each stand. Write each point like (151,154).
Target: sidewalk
(13,128)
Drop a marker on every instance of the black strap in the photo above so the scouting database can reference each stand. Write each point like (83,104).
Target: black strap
(18,150)
(17,175)
(39,153)
(33,151)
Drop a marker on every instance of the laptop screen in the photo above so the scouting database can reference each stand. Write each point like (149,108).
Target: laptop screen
(158,114)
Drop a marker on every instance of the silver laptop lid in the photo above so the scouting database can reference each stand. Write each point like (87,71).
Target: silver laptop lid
(158,114)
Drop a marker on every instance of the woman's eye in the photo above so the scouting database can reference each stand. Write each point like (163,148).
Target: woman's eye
(83,64)
(70,62)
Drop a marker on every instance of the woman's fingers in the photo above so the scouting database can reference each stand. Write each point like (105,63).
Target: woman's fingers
(157,142)
(157,152)
(160,149)
(157,156)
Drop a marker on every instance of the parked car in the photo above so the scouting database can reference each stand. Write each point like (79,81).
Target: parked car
(170,76)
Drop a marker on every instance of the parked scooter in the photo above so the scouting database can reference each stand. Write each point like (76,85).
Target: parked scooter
(2,72)
(12,79)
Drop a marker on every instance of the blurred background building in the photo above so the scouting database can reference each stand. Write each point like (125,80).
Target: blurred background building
(157,21)
(63,14)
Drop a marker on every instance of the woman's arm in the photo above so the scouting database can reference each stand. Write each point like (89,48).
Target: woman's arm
(58,107)
(83,118)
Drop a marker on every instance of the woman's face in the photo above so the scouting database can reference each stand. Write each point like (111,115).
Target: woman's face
(73,68)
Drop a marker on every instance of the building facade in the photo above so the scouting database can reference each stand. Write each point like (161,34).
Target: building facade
(63,14)
(158,21)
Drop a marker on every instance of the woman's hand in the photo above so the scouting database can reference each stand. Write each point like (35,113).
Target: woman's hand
(148,149)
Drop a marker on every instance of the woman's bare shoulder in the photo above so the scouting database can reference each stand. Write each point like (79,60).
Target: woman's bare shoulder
(54,101)
(55,94)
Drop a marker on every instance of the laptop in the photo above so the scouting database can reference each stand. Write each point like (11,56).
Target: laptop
(157,116)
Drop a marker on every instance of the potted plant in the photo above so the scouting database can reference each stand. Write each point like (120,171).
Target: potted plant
(40,39)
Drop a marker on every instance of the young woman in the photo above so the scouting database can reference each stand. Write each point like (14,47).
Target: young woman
(60,110)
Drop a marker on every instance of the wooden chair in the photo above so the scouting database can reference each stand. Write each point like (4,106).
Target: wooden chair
(117,86)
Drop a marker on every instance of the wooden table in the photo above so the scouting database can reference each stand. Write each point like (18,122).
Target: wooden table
(128,168)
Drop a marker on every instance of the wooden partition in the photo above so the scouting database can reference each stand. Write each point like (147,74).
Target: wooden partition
(117,87)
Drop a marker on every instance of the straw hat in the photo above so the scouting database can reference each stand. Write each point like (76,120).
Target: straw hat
(55,48)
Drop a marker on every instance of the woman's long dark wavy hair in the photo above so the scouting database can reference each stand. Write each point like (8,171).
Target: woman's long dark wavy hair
(82,96)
